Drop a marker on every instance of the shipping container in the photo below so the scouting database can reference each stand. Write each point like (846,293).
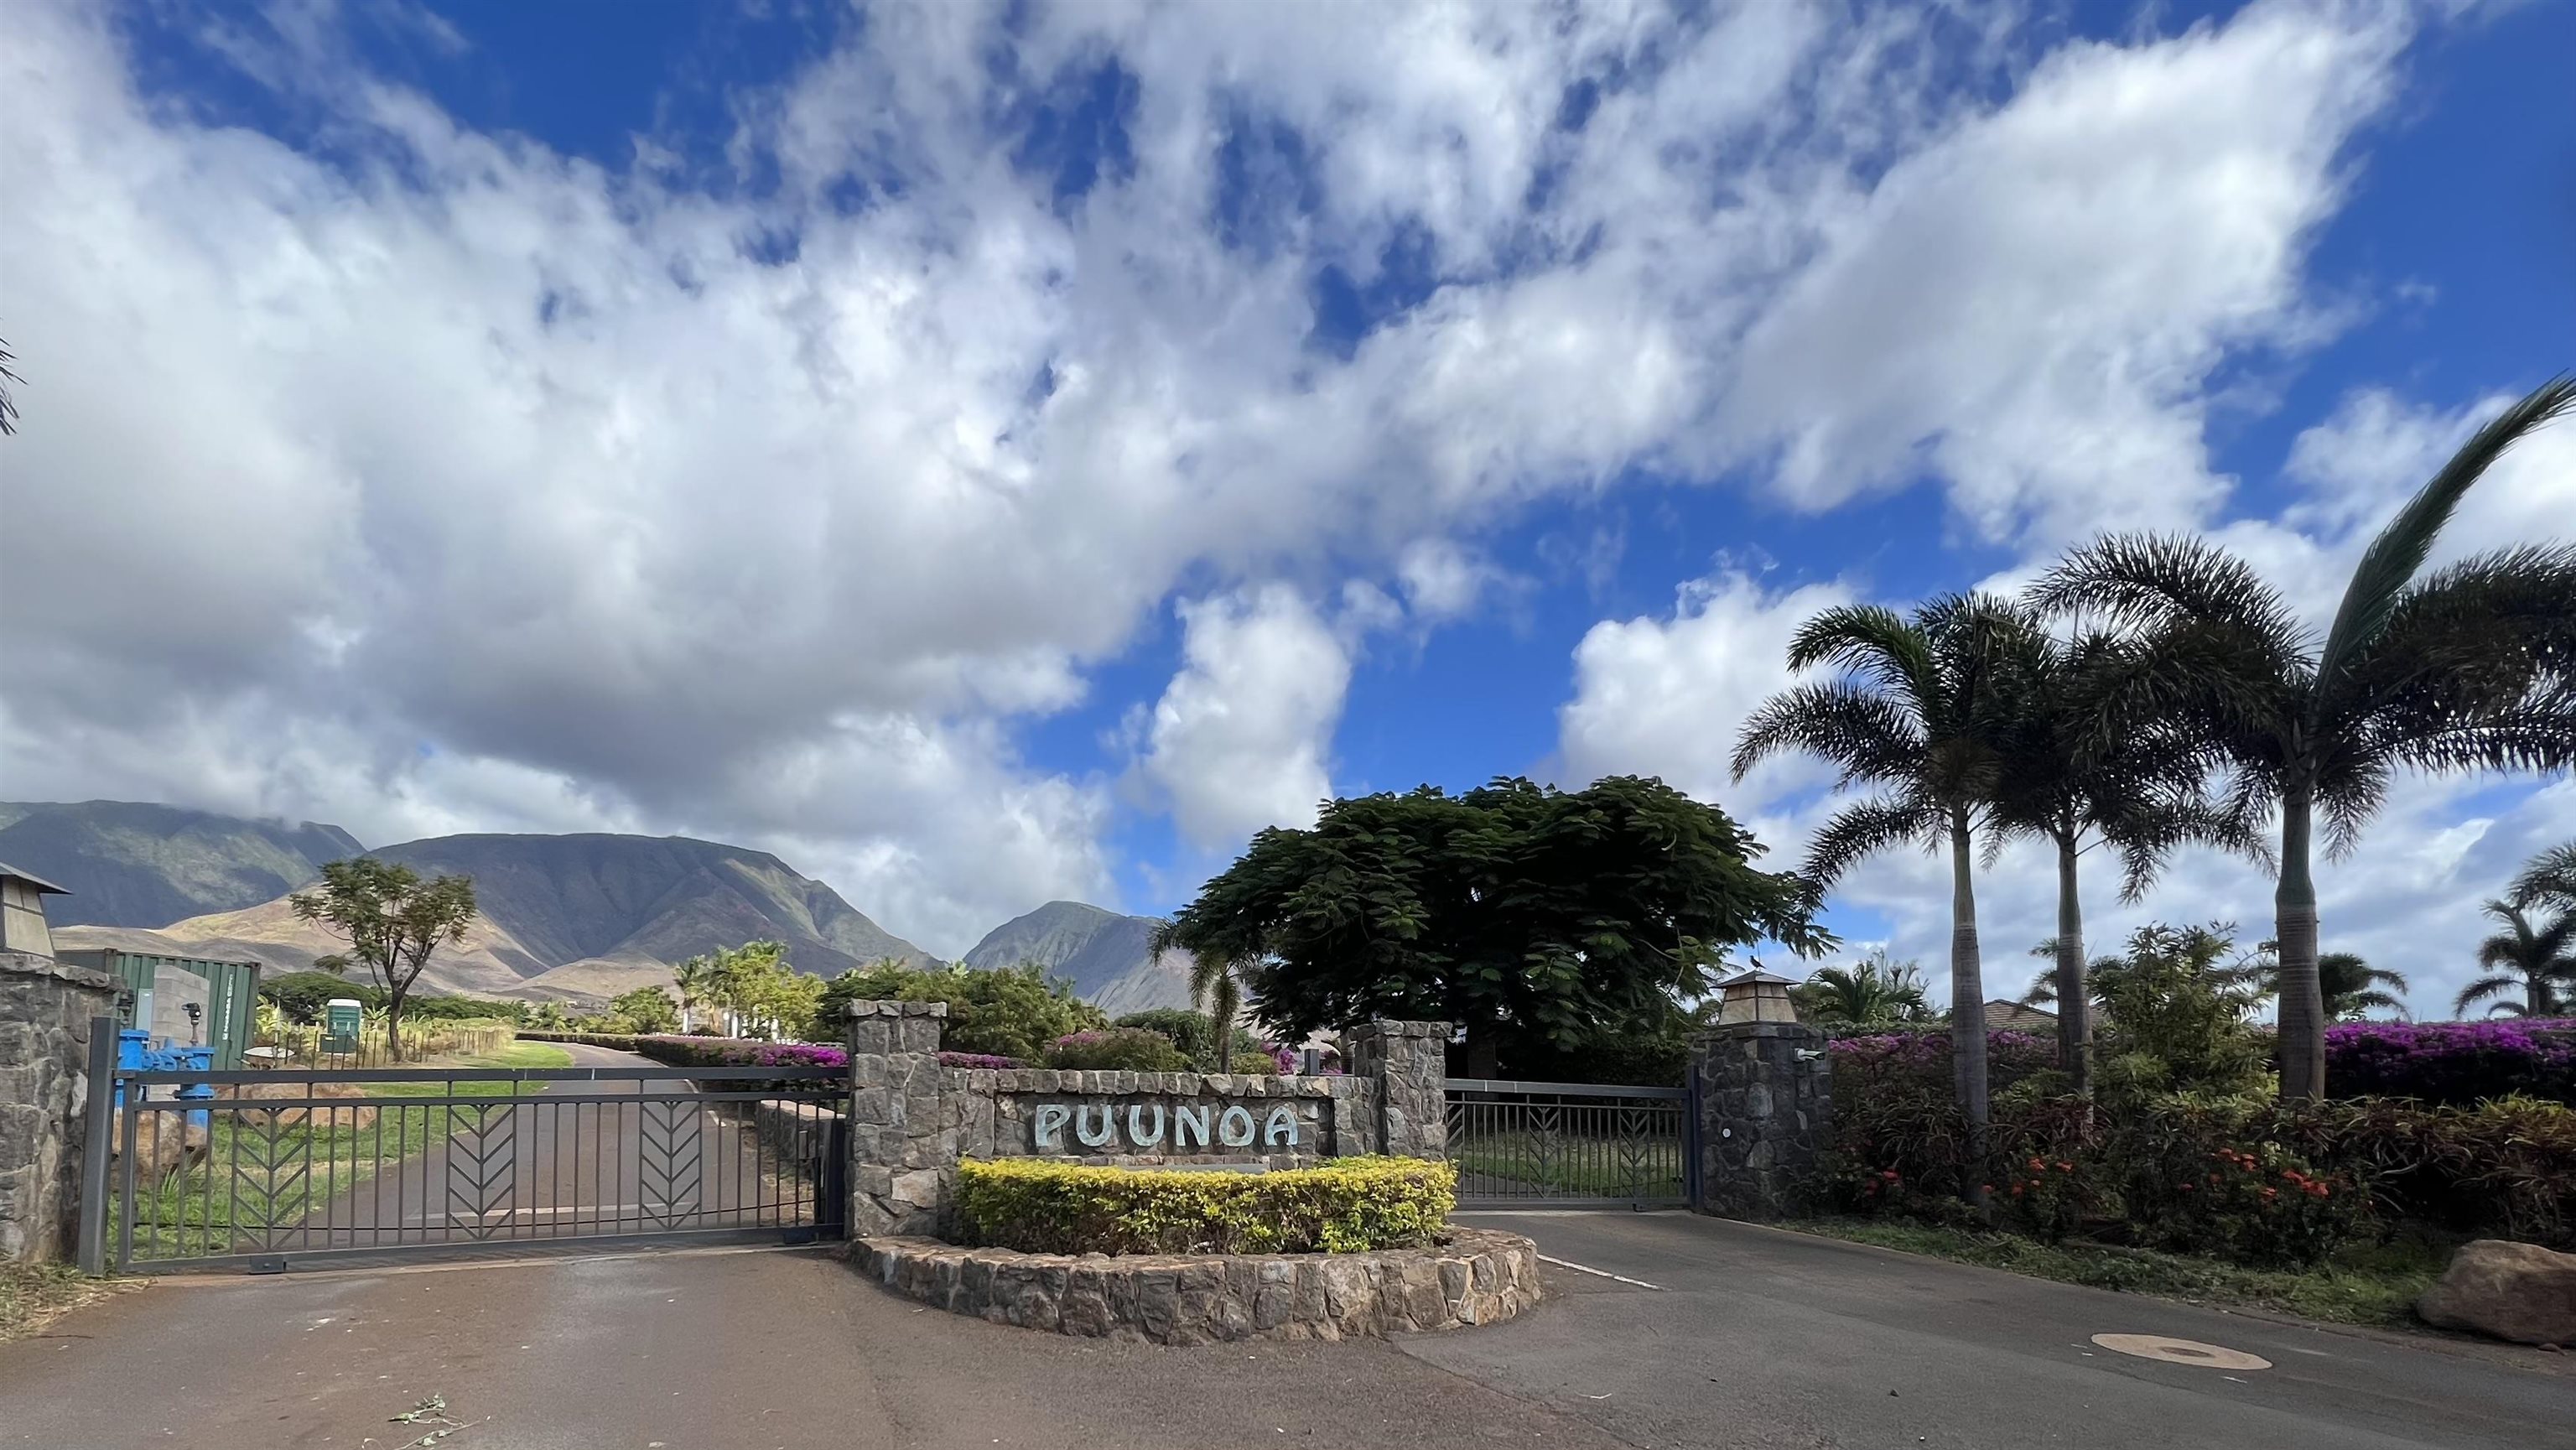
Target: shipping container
(160,989)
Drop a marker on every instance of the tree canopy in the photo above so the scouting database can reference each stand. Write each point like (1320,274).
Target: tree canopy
(392,919)
(1510,908)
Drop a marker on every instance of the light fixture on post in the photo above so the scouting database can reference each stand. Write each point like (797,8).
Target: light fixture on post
(1755,996)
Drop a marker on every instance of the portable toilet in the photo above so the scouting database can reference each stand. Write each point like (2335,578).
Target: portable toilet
(340,1018)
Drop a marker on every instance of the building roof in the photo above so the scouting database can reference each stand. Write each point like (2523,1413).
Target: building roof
(43,886)
(2002,1016)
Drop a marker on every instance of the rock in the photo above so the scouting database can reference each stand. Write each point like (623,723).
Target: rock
(164,1143)
(2520,1292)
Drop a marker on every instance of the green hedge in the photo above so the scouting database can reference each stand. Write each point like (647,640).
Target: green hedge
(1346,1206)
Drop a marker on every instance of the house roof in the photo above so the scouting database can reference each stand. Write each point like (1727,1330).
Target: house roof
(43,886)
(2005,1016)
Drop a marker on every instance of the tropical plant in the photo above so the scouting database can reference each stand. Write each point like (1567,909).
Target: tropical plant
(1000,1011)
(1918,715)
(2135,791)
(2534,957)
(1518,911)
(2470,667)
(2180,1003)
(646,1009)
(392,919)
(1214,989)
(1869,994)
(2352,987)
(696,980)
(2548,880)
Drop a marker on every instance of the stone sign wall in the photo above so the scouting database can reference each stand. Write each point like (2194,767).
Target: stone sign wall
(912,1118)
(45,1012)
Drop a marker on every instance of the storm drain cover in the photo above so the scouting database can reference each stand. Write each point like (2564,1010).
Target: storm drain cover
(2181,1351)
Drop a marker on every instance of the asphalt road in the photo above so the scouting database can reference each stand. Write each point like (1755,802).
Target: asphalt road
(710,1350)
(1750,1337)
(1761,1337)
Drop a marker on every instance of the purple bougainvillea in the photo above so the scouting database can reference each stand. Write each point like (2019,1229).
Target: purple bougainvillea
(978,1059)
(2453,1062)
(739,1052)
(1923,1058)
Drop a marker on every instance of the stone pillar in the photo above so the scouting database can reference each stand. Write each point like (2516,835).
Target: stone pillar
(1408,1062)
(903,1141)
(45,1012)
(1765,1114)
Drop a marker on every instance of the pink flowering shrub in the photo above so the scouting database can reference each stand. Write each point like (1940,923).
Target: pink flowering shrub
(2453,1062)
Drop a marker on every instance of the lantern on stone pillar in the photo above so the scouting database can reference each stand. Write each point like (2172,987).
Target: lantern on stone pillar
(1755,996)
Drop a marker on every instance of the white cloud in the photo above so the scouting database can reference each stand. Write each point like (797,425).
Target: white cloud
(451,480)
(1239,739)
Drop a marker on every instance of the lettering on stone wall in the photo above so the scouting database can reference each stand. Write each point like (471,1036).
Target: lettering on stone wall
(1096,1127)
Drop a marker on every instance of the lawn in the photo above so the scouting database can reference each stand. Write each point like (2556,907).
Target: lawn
(270,1177)
(2367,1284)
(1566,1163)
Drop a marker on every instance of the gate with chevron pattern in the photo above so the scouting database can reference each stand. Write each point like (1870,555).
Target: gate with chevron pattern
(266,1170)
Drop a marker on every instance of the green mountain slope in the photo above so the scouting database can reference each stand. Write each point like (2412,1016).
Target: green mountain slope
(128,863)
(1109,957)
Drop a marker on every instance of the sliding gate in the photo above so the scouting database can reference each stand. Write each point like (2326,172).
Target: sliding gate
(1573,1145)
(260,1169)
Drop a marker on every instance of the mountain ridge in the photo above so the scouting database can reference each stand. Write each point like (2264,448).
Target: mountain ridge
(1109,956)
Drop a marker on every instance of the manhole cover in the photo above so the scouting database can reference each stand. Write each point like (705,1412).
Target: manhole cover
(2181,1351)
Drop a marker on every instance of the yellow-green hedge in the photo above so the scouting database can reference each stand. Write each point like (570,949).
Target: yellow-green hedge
(1345,1206)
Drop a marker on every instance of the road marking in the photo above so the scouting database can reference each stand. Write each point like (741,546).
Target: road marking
(2181,1351)
(1599,1273)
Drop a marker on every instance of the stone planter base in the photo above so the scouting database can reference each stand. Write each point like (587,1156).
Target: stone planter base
(1478,1277)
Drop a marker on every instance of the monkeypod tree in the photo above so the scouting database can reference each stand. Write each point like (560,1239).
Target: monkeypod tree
(392,919)
(1513,909)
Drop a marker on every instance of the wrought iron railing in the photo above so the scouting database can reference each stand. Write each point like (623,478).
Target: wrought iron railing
(334,1163)
(1539,1142)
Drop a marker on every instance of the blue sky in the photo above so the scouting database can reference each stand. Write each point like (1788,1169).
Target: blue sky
(988,453)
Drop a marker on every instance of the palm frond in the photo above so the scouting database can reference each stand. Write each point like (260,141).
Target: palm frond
(1866,828)
(2483,988)
(1866,735)
(2548,879)
(2401,548)
(2148,581)
(1871,641)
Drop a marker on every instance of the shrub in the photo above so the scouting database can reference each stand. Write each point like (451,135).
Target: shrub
(1002,1012)
(978,1060)
(1921,1059)
(1191,1032)
(1256,1064)
(1353,1204)
(1125,1049)
(2453,1062)
(300,995)
(2048,1198)
(708,1051)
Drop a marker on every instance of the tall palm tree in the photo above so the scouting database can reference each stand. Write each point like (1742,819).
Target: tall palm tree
(1916,714)
(2538,957)
(2470,667)
(2354,989)
(698,979)
(1214,989)
(2135,791)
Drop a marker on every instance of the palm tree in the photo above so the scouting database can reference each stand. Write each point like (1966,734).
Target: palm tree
(1214,989)
(2135,791)
(1872,992)
(2354,989)
(2548,879)
(2470,667)
(2537,957)
(1916,714)
(698,979)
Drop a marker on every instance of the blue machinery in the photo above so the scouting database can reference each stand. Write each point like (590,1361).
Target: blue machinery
(135,1053)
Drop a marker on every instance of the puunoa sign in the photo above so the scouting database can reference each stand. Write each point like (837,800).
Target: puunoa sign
(1148,1126)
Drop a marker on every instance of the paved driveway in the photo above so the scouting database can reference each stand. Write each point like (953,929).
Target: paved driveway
(1752,1338)
(1761,1337)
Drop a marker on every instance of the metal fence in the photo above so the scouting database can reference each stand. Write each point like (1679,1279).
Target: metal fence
(1571,1144)
(314,1047)
(257,1168)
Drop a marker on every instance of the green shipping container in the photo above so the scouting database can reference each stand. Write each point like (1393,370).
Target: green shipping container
(157,992)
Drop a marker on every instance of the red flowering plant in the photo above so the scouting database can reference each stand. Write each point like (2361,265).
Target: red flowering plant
(2048,1198)
(2263,1205)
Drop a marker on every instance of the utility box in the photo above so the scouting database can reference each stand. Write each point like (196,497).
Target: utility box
(160,990)
(341,1017)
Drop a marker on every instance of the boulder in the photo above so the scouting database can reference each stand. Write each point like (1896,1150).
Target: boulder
(2520,1292)
(357,1118)
(164,1143)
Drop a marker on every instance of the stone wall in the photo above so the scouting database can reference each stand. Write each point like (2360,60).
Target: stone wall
(45,1012)
(912,1119)
(1765,1115)
(1409,1063)
(1478,1276)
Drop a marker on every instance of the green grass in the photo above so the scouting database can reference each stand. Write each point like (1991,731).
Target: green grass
(2371,1284)
(259,1177)
(32,1294)
(1644,1168)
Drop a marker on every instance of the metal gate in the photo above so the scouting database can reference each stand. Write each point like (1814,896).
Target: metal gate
(260,1169)
(1570,1144)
